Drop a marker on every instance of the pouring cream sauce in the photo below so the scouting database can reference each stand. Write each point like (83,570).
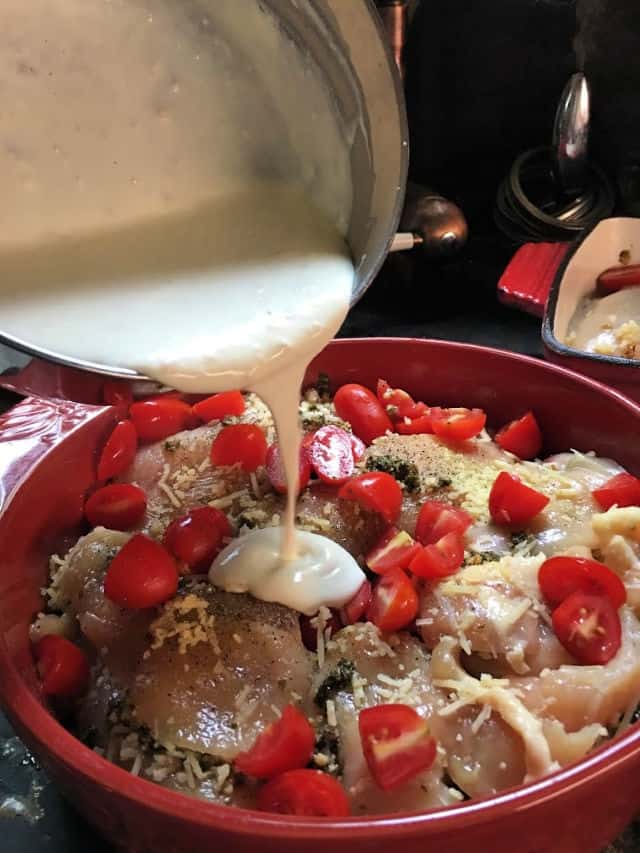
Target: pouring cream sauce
(176,190)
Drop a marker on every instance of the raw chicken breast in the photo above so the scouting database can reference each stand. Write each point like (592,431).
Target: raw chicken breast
(492,739)
(176,474)
(220,668)
(578,696)
(393,671)
(495,611)
(119,636)
(566,523)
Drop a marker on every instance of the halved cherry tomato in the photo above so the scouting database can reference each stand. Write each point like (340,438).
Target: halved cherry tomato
(219,406)
(119,506)
(119,451)
(142,574)
(437,518)
(440,559)
(118,394)
(588,626)
(397,403)
(376,491)
(358,447)
(354,610)
(197,537)
(309,632)
(160,417)
(243,444)
(521,437)
(394,550)
(362,409)
(560,576)
(287,744)
(63,667)
(457,424)
(396,744)
(511,502)
(394,603)
(307,439)
(331,454)
(305,793)
(621,490)
(275,470)
(422,425)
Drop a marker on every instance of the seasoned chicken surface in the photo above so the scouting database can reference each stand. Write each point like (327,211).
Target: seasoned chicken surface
(219,669)
(496,612)
(381,672)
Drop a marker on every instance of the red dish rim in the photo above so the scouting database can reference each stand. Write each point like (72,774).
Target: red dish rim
(23,707)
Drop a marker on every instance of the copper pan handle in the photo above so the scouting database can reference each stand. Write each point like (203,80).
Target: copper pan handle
(430,221)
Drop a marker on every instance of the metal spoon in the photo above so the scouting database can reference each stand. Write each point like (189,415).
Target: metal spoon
(571,136)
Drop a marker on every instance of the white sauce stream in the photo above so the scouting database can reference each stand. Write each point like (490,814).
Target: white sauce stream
(176,189)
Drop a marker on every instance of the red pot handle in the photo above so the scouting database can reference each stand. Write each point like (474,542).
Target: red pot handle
(527,280)
(30,429)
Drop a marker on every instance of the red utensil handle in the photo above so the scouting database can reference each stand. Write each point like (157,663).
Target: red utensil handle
(617,278)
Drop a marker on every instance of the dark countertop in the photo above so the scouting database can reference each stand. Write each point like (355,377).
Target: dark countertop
(456,302)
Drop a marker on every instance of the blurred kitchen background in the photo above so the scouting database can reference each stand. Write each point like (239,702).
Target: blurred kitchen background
(483,81)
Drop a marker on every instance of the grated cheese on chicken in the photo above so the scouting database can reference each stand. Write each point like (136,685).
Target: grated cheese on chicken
(188,620)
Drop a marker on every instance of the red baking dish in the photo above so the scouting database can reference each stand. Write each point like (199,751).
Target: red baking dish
(47,461)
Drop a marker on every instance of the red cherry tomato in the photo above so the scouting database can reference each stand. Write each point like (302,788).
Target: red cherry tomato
(621,490)
(422,425)
(511,502)
(119,506)
(275,470)
(358,447)
(396,744)
(376,491)
(394,550)
(159,418)
(305,793)
(362,409)
(588,626)
(219,406)
(439,560)
(397,403)
(285,745)
(63,667)
(309,632)
(521,437)
(438,518)
(197,537)
(394,603)
(142,574)
(457,424)
(119,451)
(559,577)
(243,444)
(354,610)
(331,455)
(118,394)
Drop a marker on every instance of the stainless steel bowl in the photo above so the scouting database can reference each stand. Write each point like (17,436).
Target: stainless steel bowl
(349,47)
